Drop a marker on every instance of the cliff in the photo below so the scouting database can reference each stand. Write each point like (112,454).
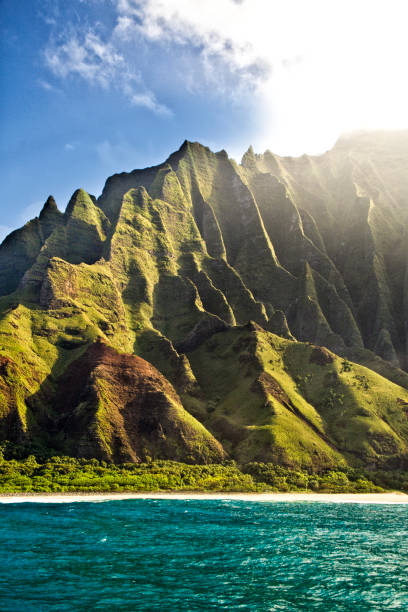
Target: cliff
(256,311)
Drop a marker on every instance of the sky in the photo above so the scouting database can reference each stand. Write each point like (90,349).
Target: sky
(94,87)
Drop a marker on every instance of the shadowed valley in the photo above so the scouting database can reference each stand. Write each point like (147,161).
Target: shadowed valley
(203,310)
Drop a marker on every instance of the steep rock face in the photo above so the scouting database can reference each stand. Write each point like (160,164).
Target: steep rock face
(20,249)
(269,217)
(354,198)
(170,258)
(13,413)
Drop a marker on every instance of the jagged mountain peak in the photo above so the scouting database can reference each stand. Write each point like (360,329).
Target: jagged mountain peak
(50,206)
(172,261)
(79,198)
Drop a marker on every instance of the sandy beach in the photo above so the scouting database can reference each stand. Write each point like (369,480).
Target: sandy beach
(344,498)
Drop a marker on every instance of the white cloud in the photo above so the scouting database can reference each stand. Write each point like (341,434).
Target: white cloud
(306,70)
(124,28)
(69,147)
(148,100)
(98,63)
(315,67)
(51,21)
(87,57)
(245,35)
(48,86)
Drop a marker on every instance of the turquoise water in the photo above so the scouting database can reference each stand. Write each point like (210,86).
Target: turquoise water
(203,555)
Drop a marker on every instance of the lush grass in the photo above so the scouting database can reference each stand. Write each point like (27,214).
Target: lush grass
(305,415)
(67,474)
(207,241)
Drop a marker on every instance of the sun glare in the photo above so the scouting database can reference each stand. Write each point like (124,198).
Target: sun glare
(346,71)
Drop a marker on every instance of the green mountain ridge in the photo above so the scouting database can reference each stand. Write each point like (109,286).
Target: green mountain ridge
(269,300)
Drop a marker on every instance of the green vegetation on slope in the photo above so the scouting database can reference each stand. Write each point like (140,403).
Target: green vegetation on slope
(296,404)
(170,264)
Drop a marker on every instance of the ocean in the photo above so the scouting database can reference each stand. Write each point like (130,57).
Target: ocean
(172,555)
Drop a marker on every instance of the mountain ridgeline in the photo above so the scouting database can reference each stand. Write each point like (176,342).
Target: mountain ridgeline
(202,310)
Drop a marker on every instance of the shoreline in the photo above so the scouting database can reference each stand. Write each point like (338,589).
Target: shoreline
(359,498)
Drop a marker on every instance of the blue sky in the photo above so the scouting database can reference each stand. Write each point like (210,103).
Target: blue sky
(94,87)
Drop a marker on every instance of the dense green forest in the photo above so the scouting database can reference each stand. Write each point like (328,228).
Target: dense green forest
(68,474)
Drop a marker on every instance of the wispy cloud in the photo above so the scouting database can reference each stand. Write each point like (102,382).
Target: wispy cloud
(307,69)
(48,86)
(85,55)
(316,67)
(146,99)
(69,146)
(227,35)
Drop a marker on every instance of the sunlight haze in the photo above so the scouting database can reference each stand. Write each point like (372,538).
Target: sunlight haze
(101,86)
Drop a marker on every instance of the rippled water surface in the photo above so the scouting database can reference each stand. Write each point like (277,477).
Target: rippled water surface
(203,555)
